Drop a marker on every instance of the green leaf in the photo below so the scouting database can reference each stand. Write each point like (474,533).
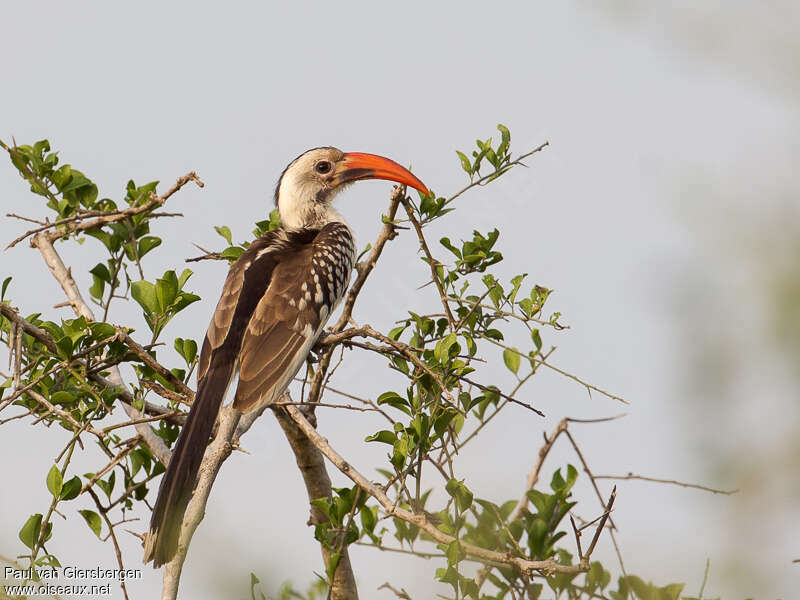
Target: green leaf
(442,351)
(460,493)
(100,270)
(443,421)
(537,339)
(166,290)
(144,293)
(54,481)
(29,534)
(225,232)
(505,141)
(368,518)
(397,331)
(511,358)
(333,563)
(396,400)
(455,553)
(448,575)
(445,241)
(465,162)
(92,520)
(62,397)
(71,488)
(232,253)
(6,281)
(147,243)
(96,290)
(384,436)
(184,299)
(184,277)
(101,331)
(516,282)
(64,347)
(187,349)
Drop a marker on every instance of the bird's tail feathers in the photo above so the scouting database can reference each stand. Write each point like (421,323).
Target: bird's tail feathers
(179,480)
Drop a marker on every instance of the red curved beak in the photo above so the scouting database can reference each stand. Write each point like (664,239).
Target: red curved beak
(358,165)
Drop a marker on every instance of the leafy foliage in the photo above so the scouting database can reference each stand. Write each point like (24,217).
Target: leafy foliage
(448,397)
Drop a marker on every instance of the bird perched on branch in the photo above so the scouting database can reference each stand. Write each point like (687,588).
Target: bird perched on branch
(274,304)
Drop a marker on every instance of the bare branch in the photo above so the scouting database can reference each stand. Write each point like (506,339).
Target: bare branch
(602,524)
(401,593)
(432,262)
(318,485)
(231,425)
(668,481)
(114,462)
(103,513)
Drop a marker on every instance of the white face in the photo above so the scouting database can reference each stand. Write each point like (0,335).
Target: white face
(307,189)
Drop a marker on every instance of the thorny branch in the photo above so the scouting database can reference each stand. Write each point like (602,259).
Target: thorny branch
(668,481)
(421,520)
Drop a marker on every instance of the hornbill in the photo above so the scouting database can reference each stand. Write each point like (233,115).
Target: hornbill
(276,299)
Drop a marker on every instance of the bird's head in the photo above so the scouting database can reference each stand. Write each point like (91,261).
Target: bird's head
(309,184)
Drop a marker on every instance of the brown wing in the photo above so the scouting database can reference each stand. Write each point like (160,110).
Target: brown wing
(305,287)
(244,286)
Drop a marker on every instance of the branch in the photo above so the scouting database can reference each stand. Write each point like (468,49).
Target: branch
(186,393)
(432,262)
(45,246)
(421,520)
(216,453)
(403,349)
(103,513)
(668,481)
(78,223)
(318,485)
(533,476)
(497,172)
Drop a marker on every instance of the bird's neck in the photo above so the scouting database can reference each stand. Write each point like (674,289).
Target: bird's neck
(308,215)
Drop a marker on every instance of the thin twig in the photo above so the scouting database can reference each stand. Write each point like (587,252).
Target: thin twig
(602,524)
(497,172)
(588,472)
(668,481)
(432,262)
(705,579)
(113,535)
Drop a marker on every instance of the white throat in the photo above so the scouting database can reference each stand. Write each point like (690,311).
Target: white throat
(299,208)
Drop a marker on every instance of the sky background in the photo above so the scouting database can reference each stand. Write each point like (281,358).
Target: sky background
(664,214)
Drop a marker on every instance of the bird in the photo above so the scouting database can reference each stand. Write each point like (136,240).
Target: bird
(274,304)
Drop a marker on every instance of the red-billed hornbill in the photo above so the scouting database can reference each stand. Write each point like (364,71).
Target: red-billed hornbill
(276,299)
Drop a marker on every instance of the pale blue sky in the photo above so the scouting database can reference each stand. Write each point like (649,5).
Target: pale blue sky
(667,140)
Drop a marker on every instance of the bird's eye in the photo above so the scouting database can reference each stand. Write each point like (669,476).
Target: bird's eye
(323,167)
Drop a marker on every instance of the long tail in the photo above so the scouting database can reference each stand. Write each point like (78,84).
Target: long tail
(179,480)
